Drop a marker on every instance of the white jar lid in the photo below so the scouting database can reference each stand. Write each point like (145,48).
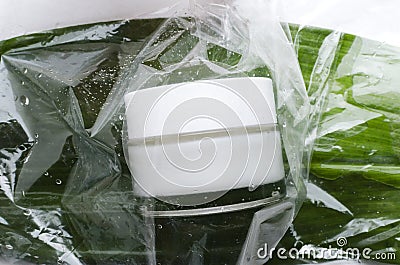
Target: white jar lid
(200,106)
(203,137)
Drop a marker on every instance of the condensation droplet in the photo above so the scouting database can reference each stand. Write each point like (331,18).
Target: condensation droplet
(58,181)
(275,193)
(25,71)
(9,247)
(159,226)
(27,212)
(121,117)
(24,100)
(39,75)
(252,187)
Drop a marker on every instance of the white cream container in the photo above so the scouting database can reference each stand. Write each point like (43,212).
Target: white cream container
(203,137)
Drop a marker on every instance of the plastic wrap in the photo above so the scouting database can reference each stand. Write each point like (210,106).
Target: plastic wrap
(65,193)
(351,202)
(66,190)
(220,43)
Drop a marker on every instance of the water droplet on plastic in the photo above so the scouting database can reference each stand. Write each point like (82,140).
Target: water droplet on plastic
(23,83)
(27,212)
(39,75)
(24,100)
(58,181)
(121,117)
(284,124)
(9,247)
(25,71)
(46,174)
(275,193)
(159,226)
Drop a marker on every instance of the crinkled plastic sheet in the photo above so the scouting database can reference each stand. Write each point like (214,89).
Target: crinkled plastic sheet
(66,194)
(352,193)
(66,189)
(226,41)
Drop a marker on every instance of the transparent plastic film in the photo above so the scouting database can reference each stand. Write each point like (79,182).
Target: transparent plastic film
(217,45)
(67,192)
(67,188)
(216,117)
(60,187)
(352,193)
